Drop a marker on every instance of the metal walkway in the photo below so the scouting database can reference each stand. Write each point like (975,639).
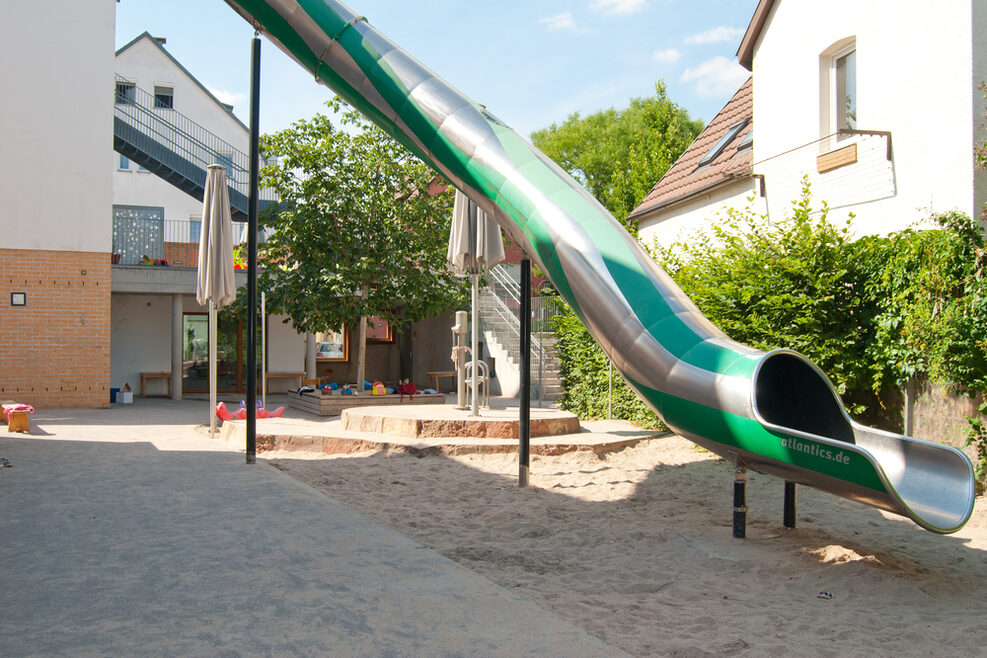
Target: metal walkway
(176,148)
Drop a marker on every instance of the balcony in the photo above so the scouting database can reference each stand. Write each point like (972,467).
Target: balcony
(141,237)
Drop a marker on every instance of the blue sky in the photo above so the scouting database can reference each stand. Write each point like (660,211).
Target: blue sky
(532,63)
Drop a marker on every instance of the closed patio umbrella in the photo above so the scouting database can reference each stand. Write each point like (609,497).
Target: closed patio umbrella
(475,245)
(215,284)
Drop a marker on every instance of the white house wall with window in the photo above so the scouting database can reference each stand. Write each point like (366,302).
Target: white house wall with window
(875,102)
(146,64)
(154,309)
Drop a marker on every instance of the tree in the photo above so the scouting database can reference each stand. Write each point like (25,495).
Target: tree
(361,229)
(619,155)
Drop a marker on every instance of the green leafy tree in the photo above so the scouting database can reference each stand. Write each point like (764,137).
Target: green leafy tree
(358,232)
(619,155)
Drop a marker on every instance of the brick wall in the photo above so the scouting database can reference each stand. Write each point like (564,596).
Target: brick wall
(56,349)
(181,254)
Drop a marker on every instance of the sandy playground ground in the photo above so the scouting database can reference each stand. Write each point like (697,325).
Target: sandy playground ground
(636,547)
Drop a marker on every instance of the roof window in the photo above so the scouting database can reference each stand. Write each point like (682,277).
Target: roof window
(728,137)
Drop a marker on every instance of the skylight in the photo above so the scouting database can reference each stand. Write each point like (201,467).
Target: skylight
(728,137)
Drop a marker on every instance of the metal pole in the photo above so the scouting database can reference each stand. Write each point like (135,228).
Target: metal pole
(740,502)
(610,390)
(524,429)
(252,254)
(791,494)
(212,369)
(541,355)
(475,344)
(263,350)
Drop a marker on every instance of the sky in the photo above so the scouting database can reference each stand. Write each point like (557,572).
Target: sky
(532,63)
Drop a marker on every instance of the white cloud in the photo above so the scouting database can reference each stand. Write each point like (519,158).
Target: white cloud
(665,56)
(229,97)
(718,76)
(619,7)
(716,35)
(563,21)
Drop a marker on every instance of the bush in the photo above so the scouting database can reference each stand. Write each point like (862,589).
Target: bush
(872,313)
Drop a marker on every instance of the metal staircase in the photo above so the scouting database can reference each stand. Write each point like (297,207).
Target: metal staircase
(498,309)
(176,148)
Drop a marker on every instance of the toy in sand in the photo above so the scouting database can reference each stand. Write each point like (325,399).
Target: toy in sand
(224,414)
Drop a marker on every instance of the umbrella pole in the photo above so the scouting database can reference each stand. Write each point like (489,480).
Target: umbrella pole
(212,369)
(475,408)
(263,349)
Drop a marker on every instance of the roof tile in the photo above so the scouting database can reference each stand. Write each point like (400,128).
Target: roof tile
(686,177)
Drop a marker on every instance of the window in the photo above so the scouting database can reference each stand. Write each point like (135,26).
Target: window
(226,159)
(723,142)
(746,142)
(837,92)
(164,97)
(125,93)
(379,330)
(124,163)
(845,91)
(331,345)
(194,228)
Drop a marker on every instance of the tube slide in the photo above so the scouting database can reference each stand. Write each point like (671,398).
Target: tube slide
(774,412)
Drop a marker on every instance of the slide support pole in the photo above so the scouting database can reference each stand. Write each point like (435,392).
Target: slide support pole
(740,502)
(791,495)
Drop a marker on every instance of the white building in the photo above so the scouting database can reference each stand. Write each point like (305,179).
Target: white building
(155,316)
(56,187)
(876,104)
(711,176)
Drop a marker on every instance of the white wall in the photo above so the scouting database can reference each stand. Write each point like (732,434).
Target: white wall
(144,64)
(680,223)
(140,338)
(979,75)
(913,79)
(57,124)
(285,347)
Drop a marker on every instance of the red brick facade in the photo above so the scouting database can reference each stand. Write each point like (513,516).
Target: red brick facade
(56,348)
(182,254)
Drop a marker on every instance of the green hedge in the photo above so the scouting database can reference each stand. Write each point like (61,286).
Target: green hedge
(872,312)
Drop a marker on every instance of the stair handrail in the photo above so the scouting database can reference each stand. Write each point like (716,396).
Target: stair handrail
(170,129)
(501,279)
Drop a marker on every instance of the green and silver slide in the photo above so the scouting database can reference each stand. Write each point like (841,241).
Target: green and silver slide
(774,412)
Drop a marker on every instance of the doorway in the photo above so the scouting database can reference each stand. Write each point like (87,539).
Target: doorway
(231,353)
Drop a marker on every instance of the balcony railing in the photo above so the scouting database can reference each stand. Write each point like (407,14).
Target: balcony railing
(140,235)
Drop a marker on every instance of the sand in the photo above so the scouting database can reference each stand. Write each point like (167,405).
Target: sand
(636,547)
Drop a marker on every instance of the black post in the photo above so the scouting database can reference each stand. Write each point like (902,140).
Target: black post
(740,502)
(252,254)
(524,431)
(791,494)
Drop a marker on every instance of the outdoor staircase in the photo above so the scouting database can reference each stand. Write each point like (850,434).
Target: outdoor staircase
(498,310)
(177,149)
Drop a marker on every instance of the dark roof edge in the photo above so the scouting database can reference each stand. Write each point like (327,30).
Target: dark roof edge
(725,179)
(186,72)
(745,53)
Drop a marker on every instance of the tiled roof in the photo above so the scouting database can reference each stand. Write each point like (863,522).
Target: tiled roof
(686,177)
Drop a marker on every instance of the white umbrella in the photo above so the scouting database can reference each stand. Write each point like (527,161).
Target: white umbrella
(475,245)
(215,283)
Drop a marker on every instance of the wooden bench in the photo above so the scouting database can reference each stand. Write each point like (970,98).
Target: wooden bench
(155,375)
(433,378)
(282,375)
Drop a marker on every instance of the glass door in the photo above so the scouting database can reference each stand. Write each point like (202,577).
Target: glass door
(195,353)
